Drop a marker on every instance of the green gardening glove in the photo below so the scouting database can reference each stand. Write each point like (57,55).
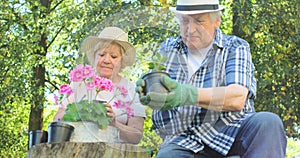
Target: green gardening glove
(140,85)
(178,95)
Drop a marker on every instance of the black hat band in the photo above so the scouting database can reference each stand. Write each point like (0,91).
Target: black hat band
(196,7)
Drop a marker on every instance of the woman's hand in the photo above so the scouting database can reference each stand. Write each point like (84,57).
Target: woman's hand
(59,114)
(111,113)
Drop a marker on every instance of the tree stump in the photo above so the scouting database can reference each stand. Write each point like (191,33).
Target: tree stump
(86,150)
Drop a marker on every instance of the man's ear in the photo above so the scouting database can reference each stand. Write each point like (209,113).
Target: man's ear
(218,22)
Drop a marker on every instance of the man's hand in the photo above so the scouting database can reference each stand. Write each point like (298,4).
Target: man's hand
(178,95)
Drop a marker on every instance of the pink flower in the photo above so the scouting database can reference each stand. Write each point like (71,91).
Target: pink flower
(87,71)
(129,111)
(90,85)
(76,75)
(118,104)
(65,89)
(124,105)
(103,84)
(56,99)
(122,89)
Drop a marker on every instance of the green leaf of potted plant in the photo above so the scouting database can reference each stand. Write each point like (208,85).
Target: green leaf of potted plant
(156,70)
(87,111)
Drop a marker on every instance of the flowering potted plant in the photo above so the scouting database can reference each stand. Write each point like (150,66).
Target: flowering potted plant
(88,108)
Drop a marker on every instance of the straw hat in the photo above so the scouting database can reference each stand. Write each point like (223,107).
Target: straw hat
(196,6)
(113,34)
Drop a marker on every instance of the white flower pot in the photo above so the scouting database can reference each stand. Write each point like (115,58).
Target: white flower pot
(90,132)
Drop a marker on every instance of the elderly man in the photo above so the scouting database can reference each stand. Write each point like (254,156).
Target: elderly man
(210,104)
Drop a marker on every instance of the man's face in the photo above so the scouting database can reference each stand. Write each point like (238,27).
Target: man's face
(197,30)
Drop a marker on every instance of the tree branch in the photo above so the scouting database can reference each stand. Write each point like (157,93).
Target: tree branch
(53,39)
(56,6)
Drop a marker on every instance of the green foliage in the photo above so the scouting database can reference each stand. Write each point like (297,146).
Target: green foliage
(13,129)
(226,24)
(150,140)
(87,111)
(272,29)
(156,62)
(49,112)
(293,148)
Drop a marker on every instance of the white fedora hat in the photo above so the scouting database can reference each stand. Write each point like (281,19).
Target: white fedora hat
(113,34)
(196,6)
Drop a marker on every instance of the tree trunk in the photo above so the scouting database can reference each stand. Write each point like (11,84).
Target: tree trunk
(240,10)
(38,87)
(87,150)
(37,106)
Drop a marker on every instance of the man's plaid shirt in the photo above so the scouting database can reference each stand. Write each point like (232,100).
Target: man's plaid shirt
(227,62)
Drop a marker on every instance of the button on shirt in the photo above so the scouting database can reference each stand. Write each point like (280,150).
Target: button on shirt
(227,62)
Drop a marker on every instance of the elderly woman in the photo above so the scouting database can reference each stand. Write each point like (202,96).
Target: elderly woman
(109,53)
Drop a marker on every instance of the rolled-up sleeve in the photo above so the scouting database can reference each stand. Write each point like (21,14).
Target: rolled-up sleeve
(239,67)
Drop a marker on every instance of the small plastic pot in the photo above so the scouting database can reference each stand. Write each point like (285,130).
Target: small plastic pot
(153,83)
(37,137)
(59,132)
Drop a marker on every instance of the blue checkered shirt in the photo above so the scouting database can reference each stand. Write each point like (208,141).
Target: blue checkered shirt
(227,62)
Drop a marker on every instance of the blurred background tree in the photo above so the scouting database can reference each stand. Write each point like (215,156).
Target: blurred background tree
(272,30)
(41,39)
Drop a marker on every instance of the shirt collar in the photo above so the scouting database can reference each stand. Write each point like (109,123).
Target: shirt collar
(218,39)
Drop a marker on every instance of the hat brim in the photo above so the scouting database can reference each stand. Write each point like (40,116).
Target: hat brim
(173,9)
(88,46)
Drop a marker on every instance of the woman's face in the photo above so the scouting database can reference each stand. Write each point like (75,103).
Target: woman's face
(108,60)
